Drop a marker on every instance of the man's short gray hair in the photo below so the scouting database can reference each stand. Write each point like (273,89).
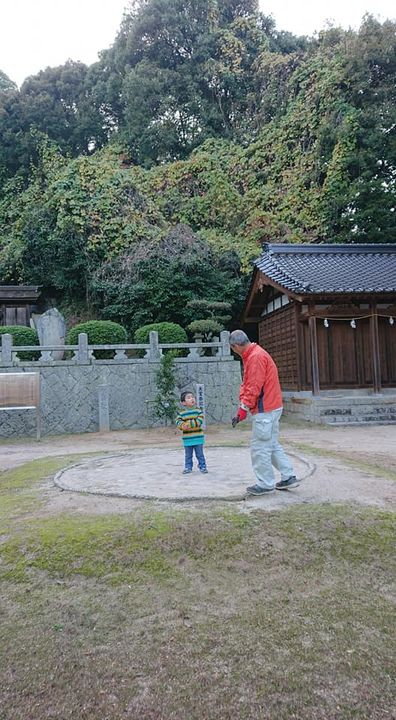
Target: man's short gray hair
(238,337)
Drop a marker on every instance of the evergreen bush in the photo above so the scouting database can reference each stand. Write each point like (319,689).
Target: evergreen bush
(22,335)
(168,332)
(212,318)
(207,327)
(100,332)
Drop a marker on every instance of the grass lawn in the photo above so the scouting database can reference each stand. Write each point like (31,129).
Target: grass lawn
(183,613)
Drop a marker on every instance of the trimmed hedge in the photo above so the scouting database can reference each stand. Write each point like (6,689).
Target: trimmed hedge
(100,332)
(168,332)
(22,335)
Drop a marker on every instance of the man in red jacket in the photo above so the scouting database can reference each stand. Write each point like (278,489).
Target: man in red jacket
(261,395)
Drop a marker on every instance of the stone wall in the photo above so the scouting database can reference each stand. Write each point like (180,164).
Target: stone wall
(71,389)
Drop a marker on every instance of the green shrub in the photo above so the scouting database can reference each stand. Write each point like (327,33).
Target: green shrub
(208,328)
(22,335)
(165,405)
(167,333)
(100,332)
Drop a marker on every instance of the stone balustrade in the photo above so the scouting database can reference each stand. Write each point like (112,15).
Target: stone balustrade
(84,353)
(81,393)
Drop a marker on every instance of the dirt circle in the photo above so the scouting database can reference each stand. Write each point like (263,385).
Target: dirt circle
(157,474)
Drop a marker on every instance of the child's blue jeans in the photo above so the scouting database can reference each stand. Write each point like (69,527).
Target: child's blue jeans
(199,454)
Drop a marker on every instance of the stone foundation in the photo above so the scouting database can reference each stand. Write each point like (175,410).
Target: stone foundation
(342,407)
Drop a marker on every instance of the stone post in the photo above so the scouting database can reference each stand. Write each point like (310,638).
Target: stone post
(82,352)
(225,343)
(6,349)
(155,353)
(104,418)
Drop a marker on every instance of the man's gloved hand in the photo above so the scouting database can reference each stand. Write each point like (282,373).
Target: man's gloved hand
(241,415)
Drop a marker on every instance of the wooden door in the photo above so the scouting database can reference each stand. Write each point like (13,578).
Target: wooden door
(387,344)
(344,354)
(16,316)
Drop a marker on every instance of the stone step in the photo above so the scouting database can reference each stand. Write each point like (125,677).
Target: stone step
(363,420)
(351,409)
(365,413)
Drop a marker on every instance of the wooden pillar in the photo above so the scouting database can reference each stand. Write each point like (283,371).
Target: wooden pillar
(299,345)
(375,351)
(313,340)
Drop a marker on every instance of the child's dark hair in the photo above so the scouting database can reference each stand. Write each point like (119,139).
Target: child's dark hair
(184,394)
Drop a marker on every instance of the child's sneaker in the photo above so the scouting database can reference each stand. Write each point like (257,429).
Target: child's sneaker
(186,471)
(203,470)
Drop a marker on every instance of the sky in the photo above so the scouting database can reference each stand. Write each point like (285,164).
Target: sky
(35,34)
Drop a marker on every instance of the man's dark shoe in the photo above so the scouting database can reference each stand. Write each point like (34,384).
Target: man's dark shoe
(258,490)
(286,484)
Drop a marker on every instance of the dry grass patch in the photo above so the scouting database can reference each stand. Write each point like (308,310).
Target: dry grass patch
(19,492)
(190,614)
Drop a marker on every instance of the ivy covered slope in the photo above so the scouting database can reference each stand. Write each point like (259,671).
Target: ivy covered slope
(90,230)
(321,164)
(308,153)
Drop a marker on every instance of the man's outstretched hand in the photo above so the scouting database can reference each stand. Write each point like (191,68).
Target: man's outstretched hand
(241,415)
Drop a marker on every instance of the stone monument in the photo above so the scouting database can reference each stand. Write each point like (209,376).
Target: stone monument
(51,329)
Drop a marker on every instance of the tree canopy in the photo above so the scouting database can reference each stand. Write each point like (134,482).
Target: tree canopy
(202,115)
(6,83)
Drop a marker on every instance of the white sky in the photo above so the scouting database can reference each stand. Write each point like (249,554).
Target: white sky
(35,34)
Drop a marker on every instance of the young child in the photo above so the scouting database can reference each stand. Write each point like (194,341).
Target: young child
(190,421)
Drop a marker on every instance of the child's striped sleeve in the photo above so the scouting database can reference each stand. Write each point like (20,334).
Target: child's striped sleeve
(198,420)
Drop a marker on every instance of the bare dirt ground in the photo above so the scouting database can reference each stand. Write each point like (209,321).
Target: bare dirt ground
(370,444)
(352,464)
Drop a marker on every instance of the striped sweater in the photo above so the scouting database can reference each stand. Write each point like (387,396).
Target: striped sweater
(194,417)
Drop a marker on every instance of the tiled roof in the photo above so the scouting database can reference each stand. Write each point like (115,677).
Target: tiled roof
(19,292)
(330,268)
